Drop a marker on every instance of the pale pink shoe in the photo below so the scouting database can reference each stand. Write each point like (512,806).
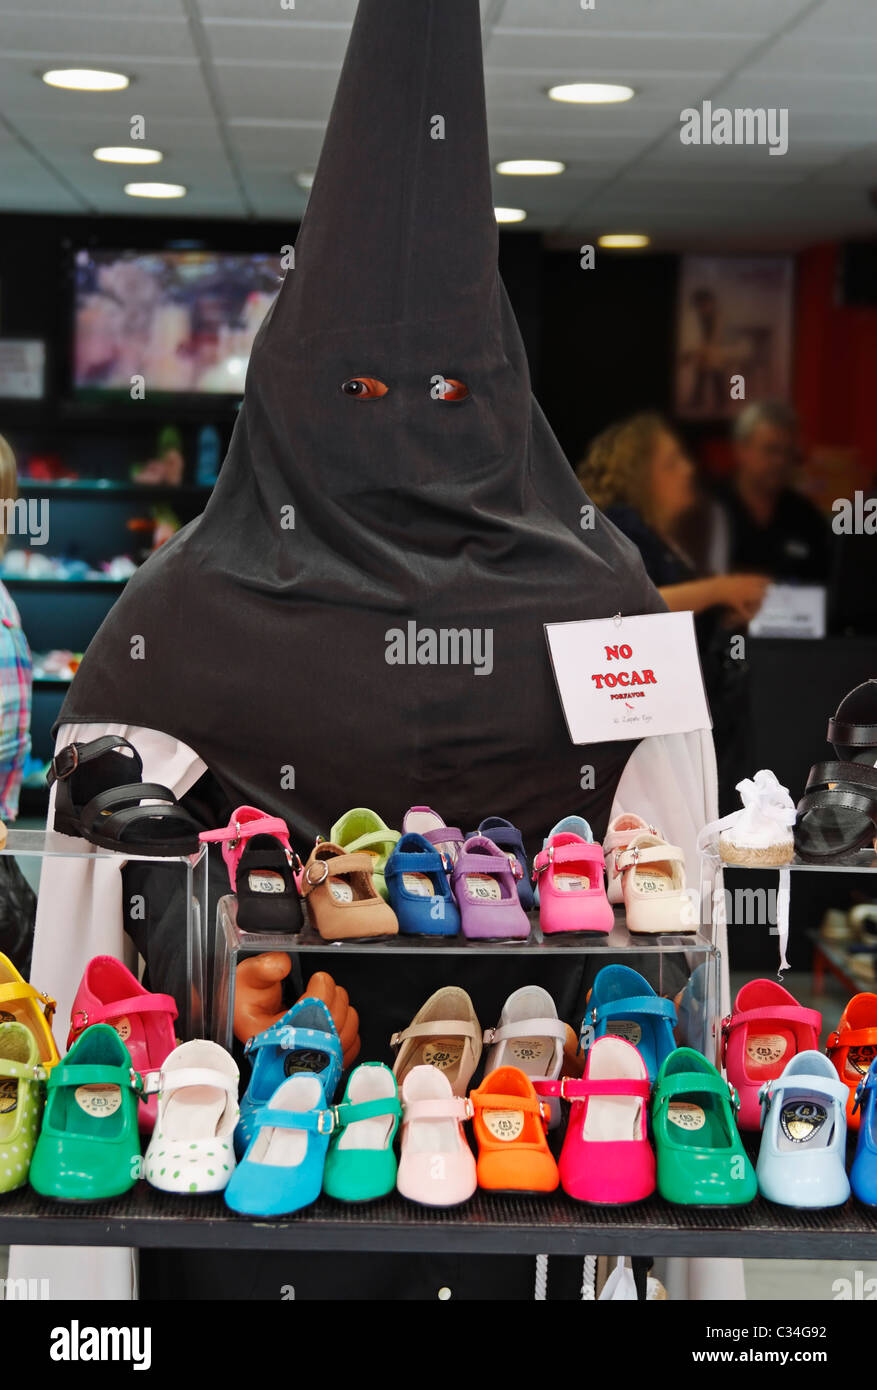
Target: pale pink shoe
(606,1156)
(572,897)
(436,1166)
(423,820)
(618,836)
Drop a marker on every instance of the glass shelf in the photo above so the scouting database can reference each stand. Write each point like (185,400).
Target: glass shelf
(863,861)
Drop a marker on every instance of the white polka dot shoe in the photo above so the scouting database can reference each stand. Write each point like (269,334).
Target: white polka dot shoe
(22,1097)
(191,1147)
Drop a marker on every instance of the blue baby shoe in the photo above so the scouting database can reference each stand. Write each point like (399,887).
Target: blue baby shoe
(305,1039)
(510,839)
(282,1169)
(419,890)
(624,1004)
(863,1174)
(801,1162)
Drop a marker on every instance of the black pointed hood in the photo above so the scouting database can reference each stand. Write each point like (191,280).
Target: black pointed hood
(272,624)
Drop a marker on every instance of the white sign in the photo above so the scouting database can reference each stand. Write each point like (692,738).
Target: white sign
(628,677)
(791,610)
(22,369)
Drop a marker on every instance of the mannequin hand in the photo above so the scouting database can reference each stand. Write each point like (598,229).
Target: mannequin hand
(259,1000)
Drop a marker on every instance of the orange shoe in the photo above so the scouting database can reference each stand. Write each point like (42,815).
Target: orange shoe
(853,1047)
(510,1123)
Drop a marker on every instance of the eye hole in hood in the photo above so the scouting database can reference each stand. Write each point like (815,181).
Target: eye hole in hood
(364,388)
(449,389)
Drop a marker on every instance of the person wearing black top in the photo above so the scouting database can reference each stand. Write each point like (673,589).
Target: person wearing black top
(772,528)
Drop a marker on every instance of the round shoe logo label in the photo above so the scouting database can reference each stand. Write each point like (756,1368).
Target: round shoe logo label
(765,1049)
(529,1049)
(506,1125)
(123,1028)
(341,891)
(99,1100)
(444,1053)
(265,881)
(626,1028)
(484,887)
(801,1120)
(859,1060)
(686,1114)
(8,1096)
(419,885)
(303,1060)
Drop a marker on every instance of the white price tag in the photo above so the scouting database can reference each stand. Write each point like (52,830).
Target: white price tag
(791,610)
(628,678)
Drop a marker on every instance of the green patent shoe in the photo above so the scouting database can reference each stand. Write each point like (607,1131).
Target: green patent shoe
(21,1102)
(89,1147)
(362,829)
(701,1159)
(361,1164)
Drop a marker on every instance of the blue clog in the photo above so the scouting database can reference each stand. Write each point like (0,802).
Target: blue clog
(801,1162)
(624,1004)
(509,838)
(282,1169)
(576,825)
(305,1039)
(419,890)
(863,1174)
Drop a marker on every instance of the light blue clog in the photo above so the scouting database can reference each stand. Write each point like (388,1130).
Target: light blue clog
(282,1169)
(576,825)
(305,1039)
(419,889)
(623,1003)
(863,1174)
(801,1162)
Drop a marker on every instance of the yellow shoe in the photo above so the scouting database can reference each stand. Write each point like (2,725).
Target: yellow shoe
(20,1003)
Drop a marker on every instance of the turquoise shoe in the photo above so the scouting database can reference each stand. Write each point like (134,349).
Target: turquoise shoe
(282,1169)
(304,1040)
(361,1164)
(801,1162)
(624,1004)
(863,1174)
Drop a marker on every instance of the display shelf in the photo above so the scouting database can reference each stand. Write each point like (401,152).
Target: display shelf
(91,488)
(489,1224)
(862,861)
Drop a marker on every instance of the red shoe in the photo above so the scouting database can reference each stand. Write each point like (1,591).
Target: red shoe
(766,1029)
(109,993)
(852,1047)
(606,1157)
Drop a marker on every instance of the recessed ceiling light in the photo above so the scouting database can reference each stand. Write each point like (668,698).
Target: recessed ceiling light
(590,92)
(618,240)
(305,180)
(510,214)
(155,190)
(530,166)
(127,154)
(86,80)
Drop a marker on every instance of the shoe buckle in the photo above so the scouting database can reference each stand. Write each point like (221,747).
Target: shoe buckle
(332,1115)
(563,1094)
(233,843)
(316,864)
(488,1035)
(292,859)
(735,1099)
(151,1083)
(78,1027)
(545,1111)
(39,1072)
(396,1040)
(136,1082)
(468,1108)
(49,1005)
(71,753)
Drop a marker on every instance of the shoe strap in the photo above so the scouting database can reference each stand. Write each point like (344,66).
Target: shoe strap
(68,759)
(247,829)
(853,1037)
(94,1074)
(137,1004)
(653,854)
(20,989)
(438,1028)
(853,735)
(409,861)
(783,1013)
(347,863)
(350,1112)
(177,1078)
(22,1071)
(526,1105)
(470,863)
(526,1028)
(652,1004)
(803,1081)
(858,775)
(447,1108)
(575,1088)
(685,1083)
(382,840)
(292,1038)
(317,1121)
(445,835)
(506,835)
(586,852)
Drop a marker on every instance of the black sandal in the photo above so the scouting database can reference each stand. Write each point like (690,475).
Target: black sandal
(100,795)
(837,815)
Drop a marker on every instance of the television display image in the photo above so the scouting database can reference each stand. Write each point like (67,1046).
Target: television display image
(183,320)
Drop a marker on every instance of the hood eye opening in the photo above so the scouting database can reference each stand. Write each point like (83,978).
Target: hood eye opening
(448,389)
(364,388)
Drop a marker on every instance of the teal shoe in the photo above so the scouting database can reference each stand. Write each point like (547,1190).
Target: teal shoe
(361,1164)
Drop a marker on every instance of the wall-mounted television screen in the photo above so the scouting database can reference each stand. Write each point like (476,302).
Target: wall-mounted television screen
(183,320)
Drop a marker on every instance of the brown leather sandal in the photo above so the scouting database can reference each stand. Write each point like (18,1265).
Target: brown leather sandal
(340,897)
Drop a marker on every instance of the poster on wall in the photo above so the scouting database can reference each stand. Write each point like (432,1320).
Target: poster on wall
(22,369)
(734,322)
